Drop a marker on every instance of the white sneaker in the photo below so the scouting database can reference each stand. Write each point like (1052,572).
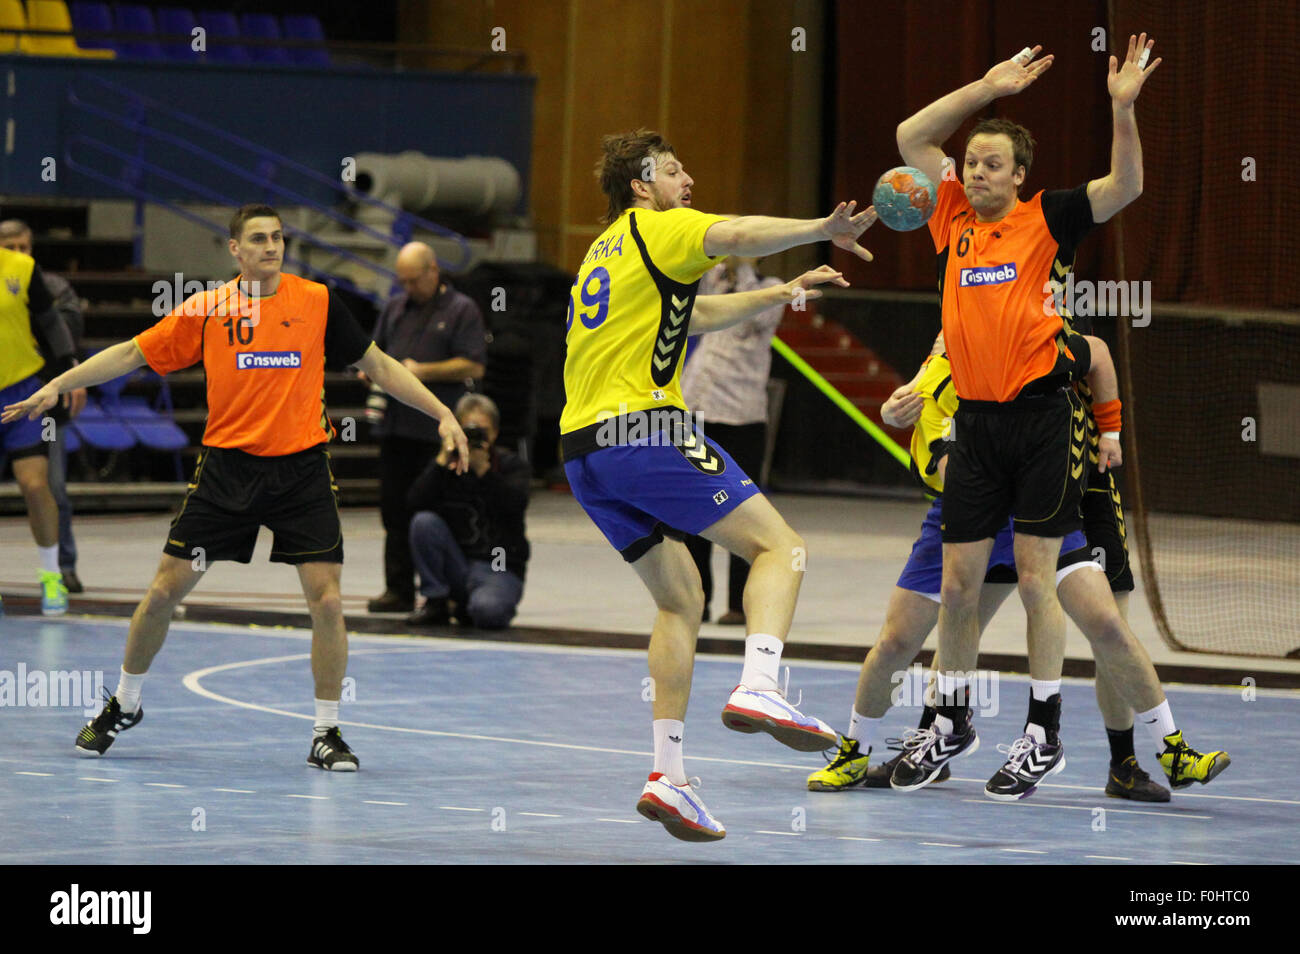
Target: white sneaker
(679,809)
(766,710)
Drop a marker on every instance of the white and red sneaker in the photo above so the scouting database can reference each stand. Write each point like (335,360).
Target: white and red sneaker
(766,710)
(679,809)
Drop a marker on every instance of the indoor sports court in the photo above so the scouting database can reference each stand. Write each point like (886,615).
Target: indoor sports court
(343,429)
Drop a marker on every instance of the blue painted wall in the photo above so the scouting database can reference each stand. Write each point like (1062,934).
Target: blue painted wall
(314,116)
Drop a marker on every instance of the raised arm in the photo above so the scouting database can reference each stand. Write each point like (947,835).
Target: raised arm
(752,236)
(120,359)
(1124,183)
(921,136)
(715,312)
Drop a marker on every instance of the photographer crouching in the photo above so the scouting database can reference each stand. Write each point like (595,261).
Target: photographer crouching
(467,535)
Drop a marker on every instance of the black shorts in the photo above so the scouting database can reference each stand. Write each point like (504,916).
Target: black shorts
(1024,457)
(234,493)
(1103,525)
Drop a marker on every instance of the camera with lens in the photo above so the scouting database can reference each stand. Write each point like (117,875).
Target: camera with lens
(477,437)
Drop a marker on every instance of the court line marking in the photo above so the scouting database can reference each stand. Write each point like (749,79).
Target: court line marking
(1108,857)
(191,682)
(165,785)
(1189,862)
(540,815)
(452,643)
(620,821)
(237,791)
(319,798)
(370,801)
(1087,808)
(1024,851)
(38,774)
(854,838)
(939,844)
(91,778)
(454,808)
(764,831)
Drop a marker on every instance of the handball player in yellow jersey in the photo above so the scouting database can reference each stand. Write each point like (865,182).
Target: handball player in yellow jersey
(647,474)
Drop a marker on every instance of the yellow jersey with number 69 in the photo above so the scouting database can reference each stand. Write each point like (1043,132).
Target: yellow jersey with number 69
(629,311)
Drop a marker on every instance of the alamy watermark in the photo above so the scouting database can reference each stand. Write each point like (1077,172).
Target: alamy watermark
(1092,299)
(53,689)
(655,427)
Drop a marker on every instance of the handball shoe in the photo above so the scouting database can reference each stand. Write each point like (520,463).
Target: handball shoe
(98,734)
(766,710)
(1028,763)
(1183,765)
(331,753)
(54,595)
(926,753)
(1127,780)
(847,769)
(679,809)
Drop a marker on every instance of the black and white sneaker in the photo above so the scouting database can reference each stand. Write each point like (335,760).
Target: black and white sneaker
(925,754)
(1028,763)
(98,734)
(331,753)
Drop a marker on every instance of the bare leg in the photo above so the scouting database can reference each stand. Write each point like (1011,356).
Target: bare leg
(33,476)
(1122,661)
(1036,565)
(964,566)
(755,532)
(670,575)
(171,584)
(329,636)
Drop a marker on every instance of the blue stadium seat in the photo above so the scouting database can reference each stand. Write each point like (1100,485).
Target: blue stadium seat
(93,18)
(221,25)
(133,18)
(264,26)
(101,431)
(178,22)
(305,27)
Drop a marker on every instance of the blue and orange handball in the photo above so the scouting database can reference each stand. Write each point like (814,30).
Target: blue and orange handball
(904,198)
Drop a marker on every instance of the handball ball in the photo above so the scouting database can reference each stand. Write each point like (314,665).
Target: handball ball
(904,198)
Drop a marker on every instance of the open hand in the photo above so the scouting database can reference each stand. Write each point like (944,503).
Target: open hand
(42,400)
(842,227)
(1125,83)
(455,450)
(804,287)
(1011,76)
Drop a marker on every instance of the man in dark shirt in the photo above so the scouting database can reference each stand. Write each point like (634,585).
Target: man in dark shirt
(439,334)
(16,235)
(467,534)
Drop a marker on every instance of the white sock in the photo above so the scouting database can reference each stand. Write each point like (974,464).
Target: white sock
(864,729)
(668,749)
(327,716)
(1159,722)
(130,686)
(49,558)
(762,661)
(1044,689)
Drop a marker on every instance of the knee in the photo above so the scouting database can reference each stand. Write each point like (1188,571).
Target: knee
(1037,589)
(163,595)
(427,525)
(960,591)
(1107,635)
(33,483)
(328,603)
(893,644)
(490,613)
(685,600)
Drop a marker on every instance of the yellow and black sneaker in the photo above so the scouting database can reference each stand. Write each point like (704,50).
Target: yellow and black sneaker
(847,769)
(1184,765)
(1127,780)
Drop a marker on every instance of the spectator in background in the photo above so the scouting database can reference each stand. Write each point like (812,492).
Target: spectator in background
(467,534)
(439,334)
(725,381)
(16,236)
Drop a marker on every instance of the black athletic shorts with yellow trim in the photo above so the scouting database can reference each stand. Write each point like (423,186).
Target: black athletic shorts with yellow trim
(1022,457)
(234,493)
(1103,525)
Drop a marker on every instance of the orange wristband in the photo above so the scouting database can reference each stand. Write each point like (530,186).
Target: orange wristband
(1108,415)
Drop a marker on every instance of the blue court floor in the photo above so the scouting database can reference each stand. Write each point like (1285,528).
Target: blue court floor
(475,752)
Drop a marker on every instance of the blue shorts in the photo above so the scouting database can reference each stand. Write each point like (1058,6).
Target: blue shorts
(924,571)
(639,493)
(21,438)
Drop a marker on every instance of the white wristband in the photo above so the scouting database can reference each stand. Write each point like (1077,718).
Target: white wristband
(1110,435)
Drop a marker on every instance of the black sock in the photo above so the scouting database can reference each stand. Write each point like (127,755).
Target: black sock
(927,717)
(1046,713)
(1121,745)
(952,706)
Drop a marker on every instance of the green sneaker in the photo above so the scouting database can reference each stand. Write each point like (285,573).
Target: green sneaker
(54,595)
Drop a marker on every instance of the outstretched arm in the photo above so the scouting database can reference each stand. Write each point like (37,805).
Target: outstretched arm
(715,312)
(921,137)
(120,359)
(752,236)
(1124,183)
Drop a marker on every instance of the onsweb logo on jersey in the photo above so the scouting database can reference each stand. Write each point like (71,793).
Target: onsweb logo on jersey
(987,275)
(249,360)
